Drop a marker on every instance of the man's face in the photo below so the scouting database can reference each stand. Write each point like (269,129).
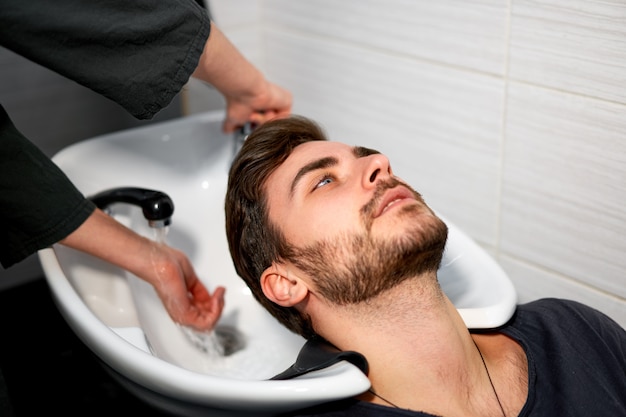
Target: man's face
(356,229)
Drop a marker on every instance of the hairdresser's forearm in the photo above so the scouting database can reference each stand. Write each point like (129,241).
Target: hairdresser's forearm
(105,238)
(249,96)
(170,272)
(225,68)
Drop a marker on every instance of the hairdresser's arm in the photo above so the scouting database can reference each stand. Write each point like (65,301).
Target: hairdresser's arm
(249,96)
(170,272)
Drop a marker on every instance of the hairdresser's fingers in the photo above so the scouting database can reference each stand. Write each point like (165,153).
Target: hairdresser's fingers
(270,102)
(205,315)
(256,118)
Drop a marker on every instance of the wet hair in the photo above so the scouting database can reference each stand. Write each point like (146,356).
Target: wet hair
(254,242)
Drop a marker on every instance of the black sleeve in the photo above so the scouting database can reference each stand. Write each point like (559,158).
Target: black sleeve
(138,53)
(39,205)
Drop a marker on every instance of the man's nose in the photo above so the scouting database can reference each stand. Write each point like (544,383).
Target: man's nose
(377,168)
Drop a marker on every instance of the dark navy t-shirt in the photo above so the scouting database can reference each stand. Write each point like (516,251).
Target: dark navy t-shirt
(576,365)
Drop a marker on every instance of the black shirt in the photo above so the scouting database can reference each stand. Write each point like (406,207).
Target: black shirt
(576,365)
(138,53)
(38,204)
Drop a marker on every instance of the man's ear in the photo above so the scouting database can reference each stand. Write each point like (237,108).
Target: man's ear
(281,286)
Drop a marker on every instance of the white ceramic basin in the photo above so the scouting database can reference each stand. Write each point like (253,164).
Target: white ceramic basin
(120,318)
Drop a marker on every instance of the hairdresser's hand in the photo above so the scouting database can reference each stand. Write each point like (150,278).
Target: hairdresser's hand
(169,271)
(185,298)
(249,96)
(269,102)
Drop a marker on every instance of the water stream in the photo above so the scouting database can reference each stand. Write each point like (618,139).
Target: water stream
(208,342)
(223,340)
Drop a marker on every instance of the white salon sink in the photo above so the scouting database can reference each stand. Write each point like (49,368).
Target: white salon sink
(121,320)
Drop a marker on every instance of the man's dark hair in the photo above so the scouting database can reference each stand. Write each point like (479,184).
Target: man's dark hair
(254,242)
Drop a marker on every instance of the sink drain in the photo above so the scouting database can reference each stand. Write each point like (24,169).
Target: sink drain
(231,339)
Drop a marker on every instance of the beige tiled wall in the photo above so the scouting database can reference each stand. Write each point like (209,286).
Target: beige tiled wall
(509,116)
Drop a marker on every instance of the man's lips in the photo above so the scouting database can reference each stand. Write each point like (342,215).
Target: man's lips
(392,197)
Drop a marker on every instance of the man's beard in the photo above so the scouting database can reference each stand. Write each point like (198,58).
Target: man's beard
(352,268)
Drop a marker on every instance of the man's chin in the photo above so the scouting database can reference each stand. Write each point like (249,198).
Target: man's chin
(405,217)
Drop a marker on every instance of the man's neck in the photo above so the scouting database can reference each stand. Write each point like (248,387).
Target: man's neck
(421,354)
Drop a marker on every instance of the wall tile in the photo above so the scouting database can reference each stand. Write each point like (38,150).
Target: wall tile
(571,45)
(234,13)
(199,97)
(440,126)
(532,283)
(456,32)
(565,185)
(240,21)
(411,79)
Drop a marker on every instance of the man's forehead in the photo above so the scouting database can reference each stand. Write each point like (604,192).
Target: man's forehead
(320,146)
(315,149)
(310,151)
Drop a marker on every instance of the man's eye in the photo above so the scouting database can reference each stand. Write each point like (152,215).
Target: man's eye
(326,179)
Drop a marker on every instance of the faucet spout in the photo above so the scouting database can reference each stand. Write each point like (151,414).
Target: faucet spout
(240,136)
(157,206)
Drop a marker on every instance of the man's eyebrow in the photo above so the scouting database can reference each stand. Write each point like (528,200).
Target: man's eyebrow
(321,163)
(326,162)
(361,151)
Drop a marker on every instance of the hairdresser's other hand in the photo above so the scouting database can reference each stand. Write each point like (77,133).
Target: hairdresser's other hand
(168,270)
(249,96)
(186,299)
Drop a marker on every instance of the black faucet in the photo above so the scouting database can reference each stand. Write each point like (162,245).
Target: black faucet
(240,136)
(157,206)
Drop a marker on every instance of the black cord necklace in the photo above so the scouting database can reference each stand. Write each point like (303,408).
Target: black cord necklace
(371,391)
(490,381)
